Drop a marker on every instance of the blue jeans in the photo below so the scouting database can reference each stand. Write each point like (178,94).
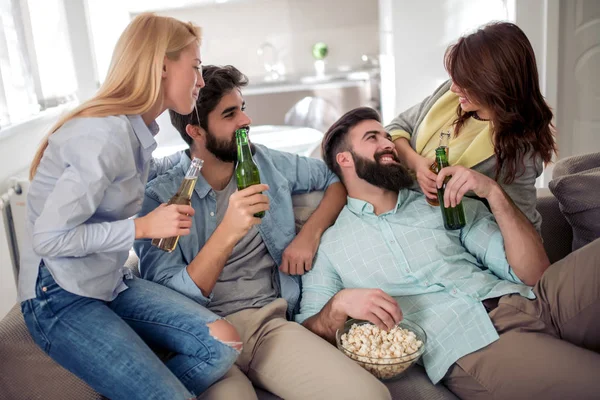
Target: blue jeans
(107,343)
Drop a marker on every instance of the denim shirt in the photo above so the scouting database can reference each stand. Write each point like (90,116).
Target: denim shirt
(286,174)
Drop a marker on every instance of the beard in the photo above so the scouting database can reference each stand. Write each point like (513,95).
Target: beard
(224,150)
(393,177)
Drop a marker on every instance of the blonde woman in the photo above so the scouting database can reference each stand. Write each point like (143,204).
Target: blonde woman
(88,177)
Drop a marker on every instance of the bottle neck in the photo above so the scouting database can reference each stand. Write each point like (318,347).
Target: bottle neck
(444,139)
(194,169)
(243,147)
(441,158)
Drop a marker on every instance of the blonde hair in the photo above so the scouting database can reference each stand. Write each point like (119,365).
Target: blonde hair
(133,82)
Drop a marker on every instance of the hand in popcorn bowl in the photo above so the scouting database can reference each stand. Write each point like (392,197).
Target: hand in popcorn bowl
(385,354)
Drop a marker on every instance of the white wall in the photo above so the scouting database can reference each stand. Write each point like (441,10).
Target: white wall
(578,108)
(107,20)
(539,20)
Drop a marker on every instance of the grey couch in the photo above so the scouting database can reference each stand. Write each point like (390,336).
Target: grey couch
(28,373)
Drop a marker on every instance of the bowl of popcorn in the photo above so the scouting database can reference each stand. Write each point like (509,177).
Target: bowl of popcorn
(385,354)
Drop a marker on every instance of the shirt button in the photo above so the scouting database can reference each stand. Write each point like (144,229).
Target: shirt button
(212,214)
(453,291)
(391,242)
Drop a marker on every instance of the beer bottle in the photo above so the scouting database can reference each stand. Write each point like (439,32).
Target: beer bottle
(183,196)
(246,171)
(444,143)
(454,217)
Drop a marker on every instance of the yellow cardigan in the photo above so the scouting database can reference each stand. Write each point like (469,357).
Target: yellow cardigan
(472,146)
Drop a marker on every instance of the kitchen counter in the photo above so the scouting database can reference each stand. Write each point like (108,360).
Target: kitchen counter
(300,82)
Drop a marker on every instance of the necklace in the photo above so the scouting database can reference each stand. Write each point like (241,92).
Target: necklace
(474,115)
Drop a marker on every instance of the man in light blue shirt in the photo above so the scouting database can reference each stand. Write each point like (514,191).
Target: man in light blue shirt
(245,268)
(388,256)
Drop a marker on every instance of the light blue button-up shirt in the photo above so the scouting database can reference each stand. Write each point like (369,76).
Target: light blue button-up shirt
(438,277)
(89,183)
(286,174)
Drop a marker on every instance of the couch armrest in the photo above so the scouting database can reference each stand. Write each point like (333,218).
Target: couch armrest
(556,231)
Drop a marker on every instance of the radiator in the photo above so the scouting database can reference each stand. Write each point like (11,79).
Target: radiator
(12,233)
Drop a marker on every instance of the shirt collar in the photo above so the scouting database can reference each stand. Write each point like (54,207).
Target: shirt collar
(202,187)
(361,207)
(145,133)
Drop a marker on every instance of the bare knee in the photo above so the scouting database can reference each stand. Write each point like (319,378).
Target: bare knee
(226,333)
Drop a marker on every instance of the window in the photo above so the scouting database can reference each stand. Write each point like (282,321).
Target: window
(17,92)
(36,63)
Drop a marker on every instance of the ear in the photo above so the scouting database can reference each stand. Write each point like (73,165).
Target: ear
(194,131)
(164,68)
(344,159)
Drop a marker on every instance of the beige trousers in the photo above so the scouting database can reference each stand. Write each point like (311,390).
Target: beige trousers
(549,348)
(290,361)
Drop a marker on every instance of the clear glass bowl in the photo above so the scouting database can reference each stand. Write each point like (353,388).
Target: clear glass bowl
(384,368)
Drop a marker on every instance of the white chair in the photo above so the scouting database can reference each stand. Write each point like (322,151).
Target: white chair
(313,112)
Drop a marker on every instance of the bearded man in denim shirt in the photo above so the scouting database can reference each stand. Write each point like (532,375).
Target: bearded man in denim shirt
(245,268)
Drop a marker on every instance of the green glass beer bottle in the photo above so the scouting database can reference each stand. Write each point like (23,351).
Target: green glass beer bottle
(454,217)
(183,196)
(444,143)
(246,171)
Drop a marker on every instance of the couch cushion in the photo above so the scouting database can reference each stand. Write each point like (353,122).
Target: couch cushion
(556,230)
(414,385)
(575,184)
(26,372)
(304,205)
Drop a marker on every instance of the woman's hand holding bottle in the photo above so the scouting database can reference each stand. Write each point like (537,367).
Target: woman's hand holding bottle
(165,221)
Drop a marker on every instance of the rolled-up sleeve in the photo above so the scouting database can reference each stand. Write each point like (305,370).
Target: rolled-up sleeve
(303,173)
(62,228)
(483,239)
(319,285)
(399,133)
(167,269)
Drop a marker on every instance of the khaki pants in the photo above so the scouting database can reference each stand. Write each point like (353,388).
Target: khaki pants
(549,348)
(290,361)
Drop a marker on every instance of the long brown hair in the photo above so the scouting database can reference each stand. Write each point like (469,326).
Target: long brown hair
(495,67)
